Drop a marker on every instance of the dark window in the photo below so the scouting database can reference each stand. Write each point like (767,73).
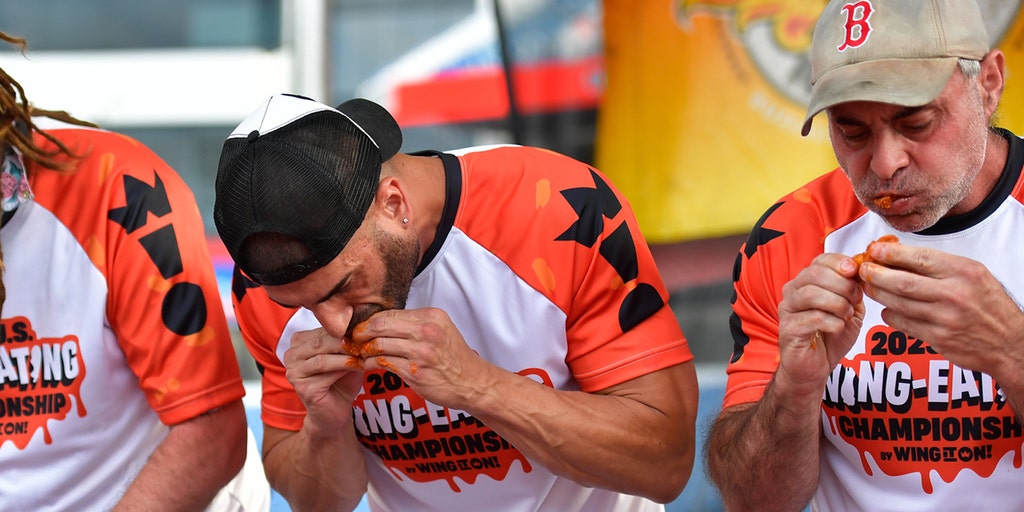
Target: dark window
(65,25)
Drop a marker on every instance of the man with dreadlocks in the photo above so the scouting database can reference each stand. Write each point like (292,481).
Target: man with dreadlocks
(119,387)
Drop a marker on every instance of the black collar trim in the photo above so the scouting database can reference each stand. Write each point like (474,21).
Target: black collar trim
(1007,181)
(452,197)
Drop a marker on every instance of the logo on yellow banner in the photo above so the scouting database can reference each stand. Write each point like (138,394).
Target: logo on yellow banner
(777,33)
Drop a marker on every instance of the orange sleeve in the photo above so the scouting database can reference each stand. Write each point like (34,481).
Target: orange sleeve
(565,229)
(141,227)
(262,323)
(782,243)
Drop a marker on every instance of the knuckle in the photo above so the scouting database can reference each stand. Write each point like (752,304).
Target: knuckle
(905,287)
(437,315)
(317,363)
(432,331)
(924,259)
(788,288)
(973,270)
(289,355)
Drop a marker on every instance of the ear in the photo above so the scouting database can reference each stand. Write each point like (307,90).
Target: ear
(391,199)
(992,80)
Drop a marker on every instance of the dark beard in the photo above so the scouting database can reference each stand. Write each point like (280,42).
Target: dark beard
(400,261)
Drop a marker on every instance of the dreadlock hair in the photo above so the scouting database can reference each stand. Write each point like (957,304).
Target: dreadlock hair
(16,128)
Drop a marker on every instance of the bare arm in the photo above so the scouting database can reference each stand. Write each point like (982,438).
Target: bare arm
(321,466)
(195,460)
(636,437)
(751,445)
(315,472)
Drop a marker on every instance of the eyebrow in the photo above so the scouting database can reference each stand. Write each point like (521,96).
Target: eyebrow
(342,283)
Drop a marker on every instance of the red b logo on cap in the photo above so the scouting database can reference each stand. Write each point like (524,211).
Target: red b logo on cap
(857,26)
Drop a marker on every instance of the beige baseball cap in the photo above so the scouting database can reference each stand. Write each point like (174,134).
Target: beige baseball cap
(901,52)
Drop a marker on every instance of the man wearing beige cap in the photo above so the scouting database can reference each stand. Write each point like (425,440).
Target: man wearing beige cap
(889,377)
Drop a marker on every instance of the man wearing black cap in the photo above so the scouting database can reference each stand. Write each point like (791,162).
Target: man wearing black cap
(473,330)
(890,380)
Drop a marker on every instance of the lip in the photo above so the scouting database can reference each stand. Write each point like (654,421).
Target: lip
(883,201)
(890,204)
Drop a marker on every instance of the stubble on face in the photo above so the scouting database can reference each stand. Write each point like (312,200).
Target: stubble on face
(400,259)
(937,192)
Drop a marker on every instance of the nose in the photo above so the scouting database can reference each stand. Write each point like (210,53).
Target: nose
(889,154)
(334,318)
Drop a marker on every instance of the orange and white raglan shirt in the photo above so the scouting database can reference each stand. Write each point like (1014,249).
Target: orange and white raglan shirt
(112,329)
(903,428)
(540,264)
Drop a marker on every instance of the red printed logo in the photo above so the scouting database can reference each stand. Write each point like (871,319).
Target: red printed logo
(40,381)
(424,442)
(909,411)
(858,28)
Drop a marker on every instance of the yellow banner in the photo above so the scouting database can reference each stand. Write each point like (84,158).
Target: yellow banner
(700,122)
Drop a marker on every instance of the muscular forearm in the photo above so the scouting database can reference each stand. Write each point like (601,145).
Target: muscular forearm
(315,472)
(1011,384)
(765,456)
(194,461)
(638,441)
(1007,368)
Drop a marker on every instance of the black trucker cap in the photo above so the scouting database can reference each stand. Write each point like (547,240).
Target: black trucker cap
(302,169)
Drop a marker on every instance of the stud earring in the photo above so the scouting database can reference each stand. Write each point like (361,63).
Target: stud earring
(405,220)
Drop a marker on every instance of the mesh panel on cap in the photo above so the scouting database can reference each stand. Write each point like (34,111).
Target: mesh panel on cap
(312,179)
